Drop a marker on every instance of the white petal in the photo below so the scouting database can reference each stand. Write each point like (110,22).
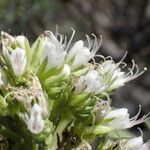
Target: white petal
(55,53)
(75,49)
(66,70)
(120,118)
(18,61)
(82,57)
(1,81)
(123,112)
(137,144)
(20,40)
(35,123)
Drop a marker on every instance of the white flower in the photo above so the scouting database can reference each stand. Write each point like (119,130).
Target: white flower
(54,50)
(79,54)
(35,123)
(137,144)
(18,61)
(113,74)
(120,118)
(1,81)
(91,82)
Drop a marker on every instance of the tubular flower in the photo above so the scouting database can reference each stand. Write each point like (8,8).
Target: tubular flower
(137,144)
(79,54)
(120,118)
(54,50)
(18,61)
(35,123)
(91,82)
(113,74)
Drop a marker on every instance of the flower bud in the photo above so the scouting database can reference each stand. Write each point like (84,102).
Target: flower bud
(20,41)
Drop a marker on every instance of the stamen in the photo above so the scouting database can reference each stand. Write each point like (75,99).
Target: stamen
(65,40)
(49,33)
(133,77)
(96,46)
(56,30)
(130,73)
(141,132)
(109,57)
(101,56)
(141,120)
(122,59)
(95,43)
(137,69)
(60,38)
(89,42)
(73,33)
(93,61)
(136,116)
(133,64)
(100,41)
(124,64)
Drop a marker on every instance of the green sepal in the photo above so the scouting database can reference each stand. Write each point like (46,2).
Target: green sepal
(39,138)
(80,72)
(98,130)
(28,51)
(51,72)
(3,107)
(48,140)
(37,49)
(76,99)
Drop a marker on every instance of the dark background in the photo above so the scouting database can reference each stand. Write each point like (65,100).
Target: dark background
(124,24)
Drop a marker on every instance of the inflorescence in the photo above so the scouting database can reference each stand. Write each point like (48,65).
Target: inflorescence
(52,92)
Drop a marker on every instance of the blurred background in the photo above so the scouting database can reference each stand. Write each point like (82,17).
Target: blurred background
(124,24)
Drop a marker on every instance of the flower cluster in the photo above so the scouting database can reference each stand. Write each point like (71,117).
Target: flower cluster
(54,95)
